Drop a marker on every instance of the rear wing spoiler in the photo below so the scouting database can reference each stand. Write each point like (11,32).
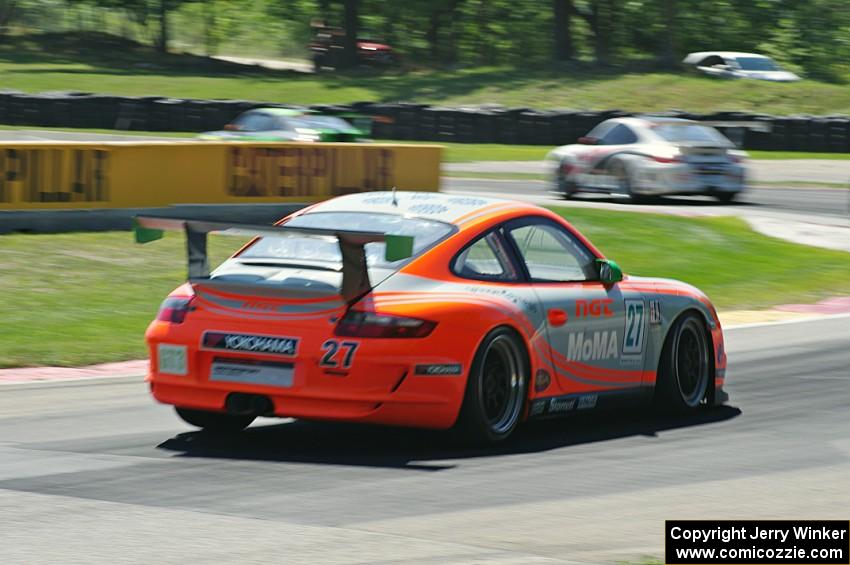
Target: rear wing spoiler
(355,275)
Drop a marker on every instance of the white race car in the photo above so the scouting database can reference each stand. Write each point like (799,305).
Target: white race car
(642,157)
(729,64)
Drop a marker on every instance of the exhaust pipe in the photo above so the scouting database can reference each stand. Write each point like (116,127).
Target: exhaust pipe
(243,404)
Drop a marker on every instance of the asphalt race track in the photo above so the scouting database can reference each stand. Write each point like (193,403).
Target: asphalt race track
(96,472)
(801,201)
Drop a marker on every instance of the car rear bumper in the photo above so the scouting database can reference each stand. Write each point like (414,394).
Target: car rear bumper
(386,382)
(685,179)
(419,405)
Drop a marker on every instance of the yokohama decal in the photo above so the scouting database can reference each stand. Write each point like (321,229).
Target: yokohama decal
(286,346)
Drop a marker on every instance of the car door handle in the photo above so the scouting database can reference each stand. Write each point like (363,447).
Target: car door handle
(557,317)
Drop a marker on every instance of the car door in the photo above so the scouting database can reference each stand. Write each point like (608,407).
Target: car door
(596,334)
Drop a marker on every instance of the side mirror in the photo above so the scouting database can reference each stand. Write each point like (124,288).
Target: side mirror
(588,140)
(609,271)
(231,127)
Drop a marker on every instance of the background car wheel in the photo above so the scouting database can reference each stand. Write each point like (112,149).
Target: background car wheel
(214,421)
(620,171)
(685,366)
(566,188)
(495,389)
(726,197)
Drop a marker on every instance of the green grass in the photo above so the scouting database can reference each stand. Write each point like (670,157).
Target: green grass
(106,131)
(106,64)
(83,298)
(77,299)
(497,176)
(465,152)
(736,267)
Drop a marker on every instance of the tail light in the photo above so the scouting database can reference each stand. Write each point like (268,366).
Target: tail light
(174,309)
(369,324)
(660,159)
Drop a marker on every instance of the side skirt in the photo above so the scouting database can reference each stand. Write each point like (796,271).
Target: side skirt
(555,406)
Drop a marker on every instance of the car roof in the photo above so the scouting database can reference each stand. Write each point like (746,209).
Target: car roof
(642,121)
(667,120)
(448,208)
(725,54)
(278,111)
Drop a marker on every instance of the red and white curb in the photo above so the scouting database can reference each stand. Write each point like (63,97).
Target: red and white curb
(137,368)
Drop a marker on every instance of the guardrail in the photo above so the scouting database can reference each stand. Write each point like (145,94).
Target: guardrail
(52,175)
(407,121)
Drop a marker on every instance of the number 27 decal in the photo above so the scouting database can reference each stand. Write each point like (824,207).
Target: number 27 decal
(334,350)
(635,322)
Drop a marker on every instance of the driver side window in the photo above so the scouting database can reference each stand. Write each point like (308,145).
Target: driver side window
(553,255)
(255,122)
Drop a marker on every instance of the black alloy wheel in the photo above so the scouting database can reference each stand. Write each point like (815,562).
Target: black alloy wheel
(496,389)
(685,365)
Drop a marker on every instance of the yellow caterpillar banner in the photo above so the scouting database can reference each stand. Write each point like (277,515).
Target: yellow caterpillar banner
(52,175)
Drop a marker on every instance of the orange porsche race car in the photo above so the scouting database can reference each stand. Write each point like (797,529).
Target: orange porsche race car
(422,309)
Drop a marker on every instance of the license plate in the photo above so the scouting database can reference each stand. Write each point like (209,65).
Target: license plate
(171,359)
(253,372)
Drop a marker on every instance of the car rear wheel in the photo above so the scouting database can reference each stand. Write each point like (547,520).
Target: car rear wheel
(685,366)
(725,197)
(218,422)
(495,389)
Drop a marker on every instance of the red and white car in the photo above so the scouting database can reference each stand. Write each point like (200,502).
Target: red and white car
(641,157)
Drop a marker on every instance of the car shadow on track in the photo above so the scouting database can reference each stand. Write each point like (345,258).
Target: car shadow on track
(423,450)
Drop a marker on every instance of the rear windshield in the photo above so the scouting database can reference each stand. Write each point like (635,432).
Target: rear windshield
(689,132)
(425,234)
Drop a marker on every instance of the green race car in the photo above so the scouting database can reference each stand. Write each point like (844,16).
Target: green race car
(285,124)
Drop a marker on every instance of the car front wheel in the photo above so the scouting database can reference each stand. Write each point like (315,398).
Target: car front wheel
(566,186)
(496,389)
(685,366)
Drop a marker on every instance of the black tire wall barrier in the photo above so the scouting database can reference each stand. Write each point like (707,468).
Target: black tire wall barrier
(406,121)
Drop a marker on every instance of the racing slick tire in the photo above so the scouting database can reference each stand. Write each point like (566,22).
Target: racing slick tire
(620,171)
(217,422)
(496,389)
(725,197)
(685,367)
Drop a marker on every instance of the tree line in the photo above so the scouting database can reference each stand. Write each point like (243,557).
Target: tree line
(812,36)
